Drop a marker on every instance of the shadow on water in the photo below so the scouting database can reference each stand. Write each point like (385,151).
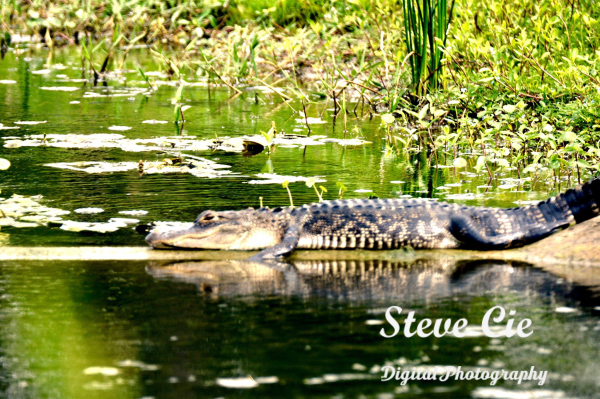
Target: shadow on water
(359,280)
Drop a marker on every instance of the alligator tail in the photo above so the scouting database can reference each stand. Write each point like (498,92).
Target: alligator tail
(531,223)
(582,202)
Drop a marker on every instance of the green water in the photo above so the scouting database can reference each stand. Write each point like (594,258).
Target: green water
(133,329)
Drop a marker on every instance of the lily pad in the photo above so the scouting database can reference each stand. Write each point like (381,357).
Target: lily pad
(123,220)
(346,142)
(106,371)
(60,88)
(311,121)
(20,211)
(97,227)
(240,383)
(108,140)
(119,128)
(89,210)
(134,213)
(272,178)
(29,122)
(196,166)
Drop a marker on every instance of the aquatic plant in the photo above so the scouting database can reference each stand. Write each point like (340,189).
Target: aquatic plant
(286,185)
(311,182)
(426,25)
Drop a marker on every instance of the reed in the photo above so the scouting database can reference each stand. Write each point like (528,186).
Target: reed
(426,24)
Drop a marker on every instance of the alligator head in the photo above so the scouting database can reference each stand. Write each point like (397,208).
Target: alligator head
(236,230)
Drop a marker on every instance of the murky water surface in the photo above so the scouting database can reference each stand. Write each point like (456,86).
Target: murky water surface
(134,329)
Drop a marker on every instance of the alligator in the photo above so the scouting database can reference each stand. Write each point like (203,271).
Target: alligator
(382,224)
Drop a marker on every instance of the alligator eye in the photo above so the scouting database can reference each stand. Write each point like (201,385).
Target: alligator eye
(208,218)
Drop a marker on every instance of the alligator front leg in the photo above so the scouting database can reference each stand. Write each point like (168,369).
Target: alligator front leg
(287,245)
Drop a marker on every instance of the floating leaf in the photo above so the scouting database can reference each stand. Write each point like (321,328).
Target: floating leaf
(29,122)
(106,371)
(89,210)
(240,383)
(272,178)
(60,88)
(134,213)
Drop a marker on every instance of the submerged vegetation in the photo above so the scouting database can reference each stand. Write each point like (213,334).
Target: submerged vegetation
(493,86)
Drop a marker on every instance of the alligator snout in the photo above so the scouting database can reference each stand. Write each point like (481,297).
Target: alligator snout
(155,240)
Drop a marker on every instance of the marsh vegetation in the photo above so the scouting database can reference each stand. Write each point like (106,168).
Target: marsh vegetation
(494,85)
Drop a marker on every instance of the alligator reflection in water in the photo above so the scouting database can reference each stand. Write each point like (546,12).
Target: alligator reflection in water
(371,280)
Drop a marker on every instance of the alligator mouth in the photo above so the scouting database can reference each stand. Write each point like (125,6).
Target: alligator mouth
(161,245)
(186,240)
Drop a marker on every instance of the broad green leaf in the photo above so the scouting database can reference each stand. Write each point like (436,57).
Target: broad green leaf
(423,112)
(502,163)
(387,119)
(509,108)
(460,162)
(480,163)
(569,136)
